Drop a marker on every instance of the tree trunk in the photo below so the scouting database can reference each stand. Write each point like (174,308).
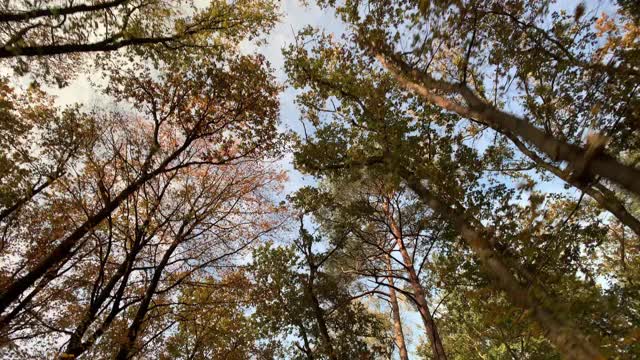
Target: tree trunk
(102,46)
(319,315)
(583,161)
(64,249)
(134,329)
(76,346)
(395,312)
(418,290)
(305,339)
(35,190)
(57,11)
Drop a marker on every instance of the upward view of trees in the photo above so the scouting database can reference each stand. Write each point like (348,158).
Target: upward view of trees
(475,186)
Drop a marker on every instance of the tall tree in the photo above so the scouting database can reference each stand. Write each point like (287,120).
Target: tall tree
(218,114)
(213,321)
(298,292)
(378,126)
(474,60)
(199,217)
(389,245)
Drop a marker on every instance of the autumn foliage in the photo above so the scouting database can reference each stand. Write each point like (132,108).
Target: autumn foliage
(474,190)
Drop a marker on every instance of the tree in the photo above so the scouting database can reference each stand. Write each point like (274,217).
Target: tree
(56,38)
(198,229)
(389,244)
(474,169)
(30,120)
(212,321)
(297,292)
(377,126)
(198,215)
(108,215)
(561,89)
(483,323)
(214,228)
(204,135)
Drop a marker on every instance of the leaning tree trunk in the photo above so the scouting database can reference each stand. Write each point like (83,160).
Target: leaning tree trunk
(319,315)
(591,162)
(128,345)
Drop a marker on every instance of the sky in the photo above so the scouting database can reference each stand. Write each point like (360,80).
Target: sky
(295,17)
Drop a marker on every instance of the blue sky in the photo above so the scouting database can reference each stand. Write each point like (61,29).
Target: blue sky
(295,17)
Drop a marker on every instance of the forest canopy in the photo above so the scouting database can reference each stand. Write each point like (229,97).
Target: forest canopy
(353,179)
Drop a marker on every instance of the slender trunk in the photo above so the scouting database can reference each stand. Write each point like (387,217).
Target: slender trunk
(134,329)
(305,339)
(568,339)
(57,11)
(418,290)
(102,46)
(104,326)
(51,274)
(76,347)
(395,312)
(319,315)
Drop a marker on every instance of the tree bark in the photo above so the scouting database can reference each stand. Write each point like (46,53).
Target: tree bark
(319,314)
(57,11)
(64,249)
(513,127)
(106,46)
(76,346)
(418,290)
(395,313)
(305,339)
(134,329)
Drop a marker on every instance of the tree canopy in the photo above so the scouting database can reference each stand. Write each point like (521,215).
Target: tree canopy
(473,182)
